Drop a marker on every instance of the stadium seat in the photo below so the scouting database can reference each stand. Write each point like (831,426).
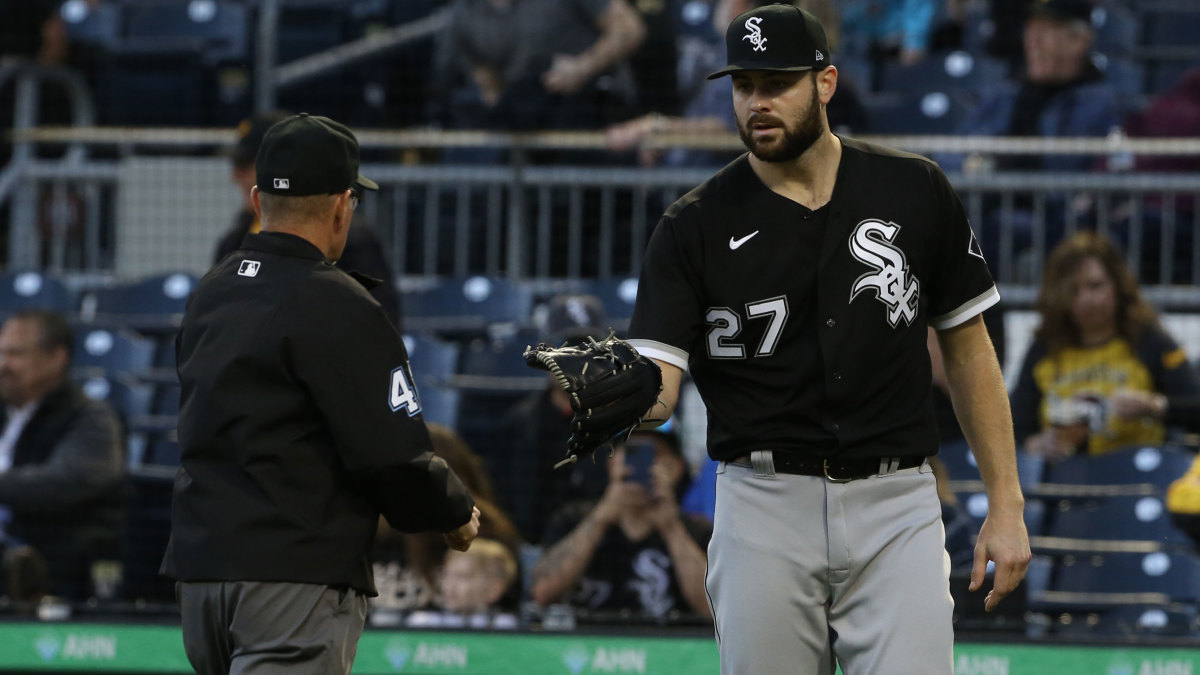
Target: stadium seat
(1127,76)
(1118,29)
(439,404)
(497,365)
(32,290)
(217,30)
(956,71)
(465,306)
(1123,517)
(1133,621)
(960,464)
(1157,465)
(97,25)
(618,296)
(433,361)
(916,113)
(1165,28)
(1173,576)
(129,398)
(975,504)
(110,352)
(153,304)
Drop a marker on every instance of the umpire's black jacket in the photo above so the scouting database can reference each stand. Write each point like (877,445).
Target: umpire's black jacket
(298,426)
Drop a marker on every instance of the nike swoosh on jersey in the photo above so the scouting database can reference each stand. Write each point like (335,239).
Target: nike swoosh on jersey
(735,243)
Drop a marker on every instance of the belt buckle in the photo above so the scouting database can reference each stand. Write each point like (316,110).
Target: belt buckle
(831,479)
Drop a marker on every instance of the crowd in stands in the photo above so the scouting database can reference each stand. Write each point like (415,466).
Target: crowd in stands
(618,535)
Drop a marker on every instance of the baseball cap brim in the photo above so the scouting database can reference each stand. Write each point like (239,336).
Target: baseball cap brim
(733,69)
(365,182)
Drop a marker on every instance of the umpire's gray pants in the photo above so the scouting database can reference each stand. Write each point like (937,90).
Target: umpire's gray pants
(803,571)
(270,628)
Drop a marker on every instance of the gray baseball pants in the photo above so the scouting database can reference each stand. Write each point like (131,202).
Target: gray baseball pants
(270,628)
(805,574)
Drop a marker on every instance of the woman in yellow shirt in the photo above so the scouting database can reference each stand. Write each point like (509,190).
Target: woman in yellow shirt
(1098,337)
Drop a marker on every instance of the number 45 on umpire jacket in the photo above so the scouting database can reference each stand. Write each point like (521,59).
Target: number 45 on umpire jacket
(298,426)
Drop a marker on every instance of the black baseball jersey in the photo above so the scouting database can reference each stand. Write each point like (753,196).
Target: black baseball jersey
(299,425)
(805,330)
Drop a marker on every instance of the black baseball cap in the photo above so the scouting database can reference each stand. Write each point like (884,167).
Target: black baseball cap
(250,132)
(572,317)
(775,37)
(1063,10)
(308,155)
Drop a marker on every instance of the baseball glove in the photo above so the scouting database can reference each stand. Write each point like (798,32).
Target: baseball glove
(611,388)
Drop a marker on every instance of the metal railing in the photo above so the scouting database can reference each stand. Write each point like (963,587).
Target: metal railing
(529,219)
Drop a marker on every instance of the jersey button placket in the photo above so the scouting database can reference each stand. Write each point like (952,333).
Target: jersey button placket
(830,322)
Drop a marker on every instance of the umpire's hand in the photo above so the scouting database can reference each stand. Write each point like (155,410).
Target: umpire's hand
(460,539)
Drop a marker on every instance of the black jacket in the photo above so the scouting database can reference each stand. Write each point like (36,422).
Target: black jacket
(64,487)
(298,426)
(363,254)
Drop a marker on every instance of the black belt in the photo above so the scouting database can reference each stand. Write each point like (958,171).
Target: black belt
(836,470)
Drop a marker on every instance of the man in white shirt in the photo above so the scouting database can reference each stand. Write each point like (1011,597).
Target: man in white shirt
(60,461)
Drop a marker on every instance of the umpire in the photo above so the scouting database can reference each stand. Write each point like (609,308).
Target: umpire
(299,426)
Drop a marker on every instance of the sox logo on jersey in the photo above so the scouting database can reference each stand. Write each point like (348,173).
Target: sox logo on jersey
(871,244)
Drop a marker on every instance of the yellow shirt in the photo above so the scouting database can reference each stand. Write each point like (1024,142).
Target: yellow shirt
(1076,384)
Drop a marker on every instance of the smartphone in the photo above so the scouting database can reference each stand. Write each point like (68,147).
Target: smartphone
(639,455)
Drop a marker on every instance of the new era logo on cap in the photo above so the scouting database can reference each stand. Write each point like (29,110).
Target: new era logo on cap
(282,184)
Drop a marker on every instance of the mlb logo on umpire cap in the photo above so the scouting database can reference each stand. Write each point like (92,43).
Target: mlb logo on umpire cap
(249,268)
(282,184)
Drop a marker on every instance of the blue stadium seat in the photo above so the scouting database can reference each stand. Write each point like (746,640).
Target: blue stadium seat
(439,404)
(960,464)
(1127,76)
(1175,576)
(96,25)
(130,398)
(975,504)
(1127,517)
(1165,74)
(432,361)
(32,290)
(917,113)
(111,352)
(1174,620)
(497,365)
(217,30)
(956,71)
(466,305)
(153,304)
(618,296)
(1118,29)
(1157,465)
(1165,28)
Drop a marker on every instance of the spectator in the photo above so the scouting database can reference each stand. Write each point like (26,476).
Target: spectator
(536,429)
(1097,336)
(60,459)
(476,580)
(706,109)
(1061,92)
(408,566)
(538,64)
(364,252)
(632,549)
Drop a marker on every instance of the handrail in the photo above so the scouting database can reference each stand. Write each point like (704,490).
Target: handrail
(384,139)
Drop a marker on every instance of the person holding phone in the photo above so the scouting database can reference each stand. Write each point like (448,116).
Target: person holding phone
(632,549)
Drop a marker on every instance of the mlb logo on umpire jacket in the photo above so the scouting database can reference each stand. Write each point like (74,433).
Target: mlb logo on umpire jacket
(249,268)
